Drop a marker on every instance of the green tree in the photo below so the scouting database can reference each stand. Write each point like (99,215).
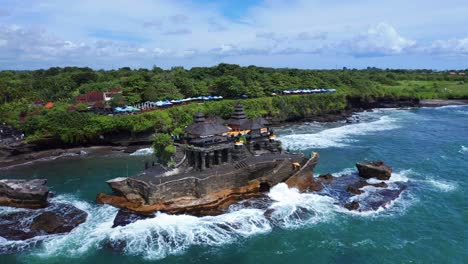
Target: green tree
(164,149)
(118,100)
(160,91)
(229,87)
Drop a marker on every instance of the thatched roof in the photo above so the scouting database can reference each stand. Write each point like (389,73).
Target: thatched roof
(215,119)
(254,124)
(202,128)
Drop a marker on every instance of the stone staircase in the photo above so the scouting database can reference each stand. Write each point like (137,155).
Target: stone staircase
(240,165)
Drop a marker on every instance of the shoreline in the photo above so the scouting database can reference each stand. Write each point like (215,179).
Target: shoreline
(441,102)
(33,156)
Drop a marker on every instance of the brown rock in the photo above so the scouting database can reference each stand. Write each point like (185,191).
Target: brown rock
(375,169)
(48,222)
(213,204)
(354,189)
(24,194)
(326,178)
(304,180)
(52,222)
(352,205)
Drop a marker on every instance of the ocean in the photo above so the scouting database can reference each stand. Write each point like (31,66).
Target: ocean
(426,147)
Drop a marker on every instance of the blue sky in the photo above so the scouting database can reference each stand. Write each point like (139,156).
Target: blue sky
(314,34)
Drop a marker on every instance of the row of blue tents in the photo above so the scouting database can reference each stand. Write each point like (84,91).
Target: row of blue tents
(167,103)
(181,101)
(126,109)
(307,91)
(151,105)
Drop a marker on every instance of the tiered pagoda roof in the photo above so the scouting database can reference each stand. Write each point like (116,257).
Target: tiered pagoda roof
(238,117)
(203,128)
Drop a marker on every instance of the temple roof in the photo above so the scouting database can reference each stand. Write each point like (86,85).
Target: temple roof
(238,117)
(203,128)
(254,124)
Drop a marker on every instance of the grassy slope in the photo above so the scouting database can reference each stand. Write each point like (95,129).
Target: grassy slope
(431,89)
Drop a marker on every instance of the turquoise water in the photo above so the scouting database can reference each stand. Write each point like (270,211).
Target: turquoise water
(427,147)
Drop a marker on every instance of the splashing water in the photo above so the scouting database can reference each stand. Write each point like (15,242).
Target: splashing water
(463,150)
(143,152)
(163,235)
(338,137)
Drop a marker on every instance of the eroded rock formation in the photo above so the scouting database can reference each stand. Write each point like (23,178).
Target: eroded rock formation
(37,217)
(374,169)
(55,219)
(24,194)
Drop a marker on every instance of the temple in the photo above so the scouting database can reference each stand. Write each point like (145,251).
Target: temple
(223,162)
(210,143)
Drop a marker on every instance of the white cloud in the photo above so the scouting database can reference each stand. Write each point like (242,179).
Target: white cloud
(452,46)
(122,32)
(380,40)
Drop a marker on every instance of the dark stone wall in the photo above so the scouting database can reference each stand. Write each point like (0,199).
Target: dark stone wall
(271,172)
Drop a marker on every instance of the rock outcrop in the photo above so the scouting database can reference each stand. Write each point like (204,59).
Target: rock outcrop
(374,169)
(211,192)
(55,219)
(37,217)
(24,194)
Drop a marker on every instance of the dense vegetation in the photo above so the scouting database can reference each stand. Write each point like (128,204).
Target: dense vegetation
(19,89)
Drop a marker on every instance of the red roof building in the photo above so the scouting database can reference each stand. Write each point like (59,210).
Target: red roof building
(90,97)
(95,96)
(49,105)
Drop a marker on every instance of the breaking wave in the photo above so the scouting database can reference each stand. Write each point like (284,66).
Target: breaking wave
(143,152)
(338,136)
(463,150)
(412,176)
(164,235)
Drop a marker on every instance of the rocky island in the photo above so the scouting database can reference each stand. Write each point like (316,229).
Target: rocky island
(225,162)
(221,165)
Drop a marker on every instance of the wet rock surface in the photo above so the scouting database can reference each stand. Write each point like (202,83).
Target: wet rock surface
(23,193)
(374,169)
(24,224)
(355,188)
(354,193)
(125,217)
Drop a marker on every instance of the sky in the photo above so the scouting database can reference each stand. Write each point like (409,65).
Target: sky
(313,34)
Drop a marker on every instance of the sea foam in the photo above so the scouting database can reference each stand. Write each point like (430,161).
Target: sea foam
(338,136)
(164,235)
(143,152)
(463,150)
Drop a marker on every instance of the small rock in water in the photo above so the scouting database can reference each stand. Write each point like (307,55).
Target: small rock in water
(374,169)
(125,217)
(326,178)
(352,206)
